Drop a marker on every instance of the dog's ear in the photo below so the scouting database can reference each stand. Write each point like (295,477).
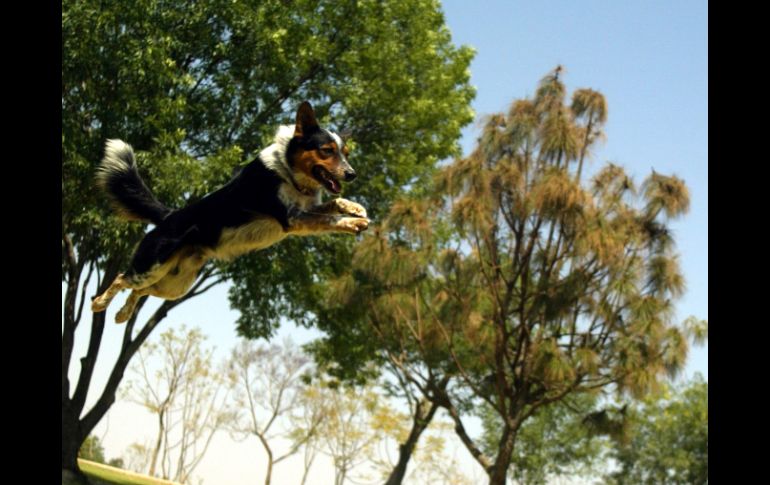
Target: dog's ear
(306,121)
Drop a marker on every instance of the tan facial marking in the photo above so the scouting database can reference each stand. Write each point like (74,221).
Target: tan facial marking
(328,147)
(305,160)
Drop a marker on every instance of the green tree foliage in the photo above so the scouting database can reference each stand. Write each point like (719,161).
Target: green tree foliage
(517,282)
(92,449)
(554,442)
(669,439)
(197,88)
(385,304)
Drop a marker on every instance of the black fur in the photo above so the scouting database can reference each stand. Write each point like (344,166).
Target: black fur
(310,141)
(251,193)
(127,190)
(266,201)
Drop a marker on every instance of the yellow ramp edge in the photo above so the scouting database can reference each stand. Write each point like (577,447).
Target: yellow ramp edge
(92,465)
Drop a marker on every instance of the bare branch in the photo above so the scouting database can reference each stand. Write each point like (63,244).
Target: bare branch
(474,450)
(83,293)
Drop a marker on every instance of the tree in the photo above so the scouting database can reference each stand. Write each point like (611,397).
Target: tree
(554,442)
(186,395)
(138,457)
(313,411)
(518,281)
(92,450)
(267,382)
(431,462)
(422,413)
(197,88)
(357,421)
(669,438)
(379,301)
(357,427)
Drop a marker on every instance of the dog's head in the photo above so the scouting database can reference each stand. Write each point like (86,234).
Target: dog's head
(317,157)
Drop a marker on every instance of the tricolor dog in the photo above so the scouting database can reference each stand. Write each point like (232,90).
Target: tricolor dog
(276,195)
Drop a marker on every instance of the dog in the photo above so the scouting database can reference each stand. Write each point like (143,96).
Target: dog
(275,196)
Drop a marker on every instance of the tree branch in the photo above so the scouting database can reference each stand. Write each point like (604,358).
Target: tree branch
(88,362)
(70,323)
(444,401)
(83,293)
(127,351)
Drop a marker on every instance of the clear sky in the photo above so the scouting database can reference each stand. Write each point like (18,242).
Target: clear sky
(650,60)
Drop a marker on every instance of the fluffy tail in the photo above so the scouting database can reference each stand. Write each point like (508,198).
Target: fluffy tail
(118,177)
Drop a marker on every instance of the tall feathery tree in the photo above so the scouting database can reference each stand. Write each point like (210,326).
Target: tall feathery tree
(385,303)
(563,440)
(198,88)
(516,283)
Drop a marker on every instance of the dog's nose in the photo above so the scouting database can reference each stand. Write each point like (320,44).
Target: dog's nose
(350,175)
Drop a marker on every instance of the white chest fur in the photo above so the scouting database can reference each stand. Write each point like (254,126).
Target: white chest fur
(262,231)
(291,197)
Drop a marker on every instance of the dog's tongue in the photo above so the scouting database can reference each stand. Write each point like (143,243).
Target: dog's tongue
(335,186)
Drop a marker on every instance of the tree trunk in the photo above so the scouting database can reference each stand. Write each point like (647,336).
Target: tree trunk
(70,438)
(308,464)
(74,428)
(420,422)
(499,470)
(269,474)
(158,443)
(266,446)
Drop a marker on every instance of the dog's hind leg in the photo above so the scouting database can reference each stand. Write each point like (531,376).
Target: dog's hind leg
(128,308)
(100,303)
(169,280)
(133,281)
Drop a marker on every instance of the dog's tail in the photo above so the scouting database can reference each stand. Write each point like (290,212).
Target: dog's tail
(118,177)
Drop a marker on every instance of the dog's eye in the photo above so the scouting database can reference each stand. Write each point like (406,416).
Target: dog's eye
(326,152)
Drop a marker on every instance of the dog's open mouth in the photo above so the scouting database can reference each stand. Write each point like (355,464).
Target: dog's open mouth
(327,179)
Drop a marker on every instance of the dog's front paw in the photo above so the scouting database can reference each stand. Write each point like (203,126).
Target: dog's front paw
(351,208)
(353,225)
(127,310)
(124,314)
(98,304)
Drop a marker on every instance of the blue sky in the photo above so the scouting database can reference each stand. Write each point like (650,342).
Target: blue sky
(650,60)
